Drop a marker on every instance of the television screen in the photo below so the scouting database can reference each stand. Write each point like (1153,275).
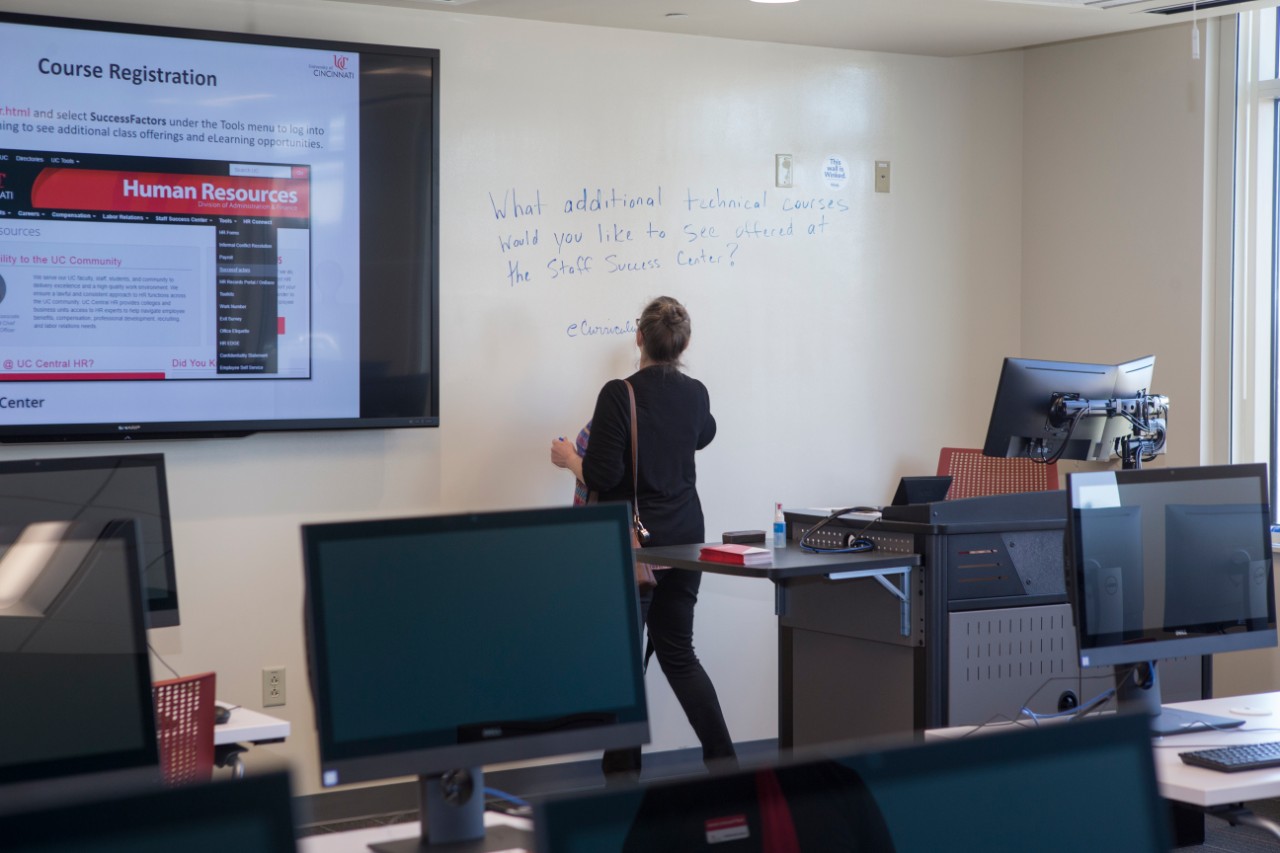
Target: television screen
(101,489)
(77,712)
(1165,563)
(1022,424)
(489,638)
(868,797)
(213,234)
(252,816)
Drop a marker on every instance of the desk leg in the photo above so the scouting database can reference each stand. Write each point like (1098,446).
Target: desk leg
(228,755)
(1188,825)
(786,719)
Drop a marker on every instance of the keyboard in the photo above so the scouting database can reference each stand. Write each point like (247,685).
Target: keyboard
(1230,759)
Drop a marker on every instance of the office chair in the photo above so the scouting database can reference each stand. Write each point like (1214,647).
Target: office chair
(184,726)
(974,475)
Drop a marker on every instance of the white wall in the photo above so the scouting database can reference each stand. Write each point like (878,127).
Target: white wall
(835,363)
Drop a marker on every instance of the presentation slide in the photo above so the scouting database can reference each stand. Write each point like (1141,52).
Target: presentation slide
(163,205)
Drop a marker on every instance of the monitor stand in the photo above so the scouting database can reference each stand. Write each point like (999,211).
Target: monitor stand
(451,806)
(1138,692)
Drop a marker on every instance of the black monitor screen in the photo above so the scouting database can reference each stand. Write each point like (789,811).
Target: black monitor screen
(73,655)
(1170,562)
(251,815)
(1012,792)
(102,488)
(463,640)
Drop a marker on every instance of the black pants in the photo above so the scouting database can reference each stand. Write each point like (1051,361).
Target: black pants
(667,611)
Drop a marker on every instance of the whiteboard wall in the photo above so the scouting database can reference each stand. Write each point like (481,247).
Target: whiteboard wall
(844,334)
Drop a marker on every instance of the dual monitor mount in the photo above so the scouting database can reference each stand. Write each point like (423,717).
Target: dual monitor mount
(1146,413)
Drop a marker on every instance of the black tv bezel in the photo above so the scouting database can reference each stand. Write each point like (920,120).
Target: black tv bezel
(1110,650)
(427,262)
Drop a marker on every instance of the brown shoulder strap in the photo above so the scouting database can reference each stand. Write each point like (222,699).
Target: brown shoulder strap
(635,471)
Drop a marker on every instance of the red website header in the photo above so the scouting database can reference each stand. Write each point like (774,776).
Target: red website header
(158,192)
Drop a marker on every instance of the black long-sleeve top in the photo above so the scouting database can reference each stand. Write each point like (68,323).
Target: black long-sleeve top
(674,414)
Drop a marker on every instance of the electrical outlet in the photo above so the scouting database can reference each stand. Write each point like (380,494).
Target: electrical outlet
(272,686)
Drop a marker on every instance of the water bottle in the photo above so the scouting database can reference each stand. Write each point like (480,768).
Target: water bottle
(779,527)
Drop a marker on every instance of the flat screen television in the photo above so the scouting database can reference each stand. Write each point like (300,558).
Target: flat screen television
(1020,422)
(207,234)
(445,643)
(77,715)
(102,488)
(253,815)
(1166,563)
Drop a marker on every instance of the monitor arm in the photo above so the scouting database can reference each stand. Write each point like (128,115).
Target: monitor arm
(1146,412)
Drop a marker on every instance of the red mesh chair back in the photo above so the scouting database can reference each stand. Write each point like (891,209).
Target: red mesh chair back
(184,725)
(974,475)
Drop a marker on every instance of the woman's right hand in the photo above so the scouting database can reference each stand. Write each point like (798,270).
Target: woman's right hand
(562,452)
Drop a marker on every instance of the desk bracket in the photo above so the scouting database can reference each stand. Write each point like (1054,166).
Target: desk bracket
(902,593)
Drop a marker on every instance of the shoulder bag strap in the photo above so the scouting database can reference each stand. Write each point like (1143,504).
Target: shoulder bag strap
(635,467)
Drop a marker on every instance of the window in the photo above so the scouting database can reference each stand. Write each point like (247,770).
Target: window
(1255,238)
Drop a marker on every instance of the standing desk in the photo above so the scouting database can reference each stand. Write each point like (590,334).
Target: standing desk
(985,629)
(882,590)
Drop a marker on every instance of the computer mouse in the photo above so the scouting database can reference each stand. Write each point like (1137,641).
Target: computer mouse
(221,714)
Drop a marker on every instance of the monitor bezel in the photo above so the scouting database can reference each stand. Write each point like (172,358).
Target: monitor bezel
(1152,647)
(342,762)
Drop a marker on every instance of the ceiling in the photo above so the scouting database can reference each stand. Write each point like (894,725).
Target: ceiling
(927,27)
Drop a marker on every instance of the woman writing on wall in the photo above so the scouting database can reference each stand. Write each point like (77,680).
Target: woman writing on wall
(673,413)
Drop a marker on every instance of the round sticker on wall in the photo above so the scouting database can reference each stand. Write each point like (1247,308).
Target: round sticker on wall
(834,173)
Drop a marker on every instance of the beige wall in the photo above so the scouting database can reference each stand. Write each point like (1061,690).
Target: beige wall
(1113,217)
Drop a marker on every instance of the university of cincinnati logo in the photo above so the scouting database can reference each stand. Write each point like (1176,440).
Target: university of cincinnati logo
(337,68)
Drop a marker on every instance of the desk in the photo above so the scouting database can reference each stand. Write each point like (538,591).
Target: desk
(1198,786)
(516,834)
(1202,790)
(244,727)
(825,604)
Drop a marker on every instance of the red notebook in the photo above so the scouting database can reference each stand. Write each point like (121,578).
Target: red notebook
(737,555)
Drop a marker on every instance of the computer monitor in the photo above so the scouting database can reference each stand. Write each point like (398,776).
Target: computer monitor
(1165,563)
(1088,785)
(1026,422)
(102,488)
(449,642)
(77,712)
(249,815)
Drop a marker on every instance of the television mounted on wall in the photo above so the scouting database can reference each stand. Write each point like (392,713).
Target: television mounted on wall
(214,234)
